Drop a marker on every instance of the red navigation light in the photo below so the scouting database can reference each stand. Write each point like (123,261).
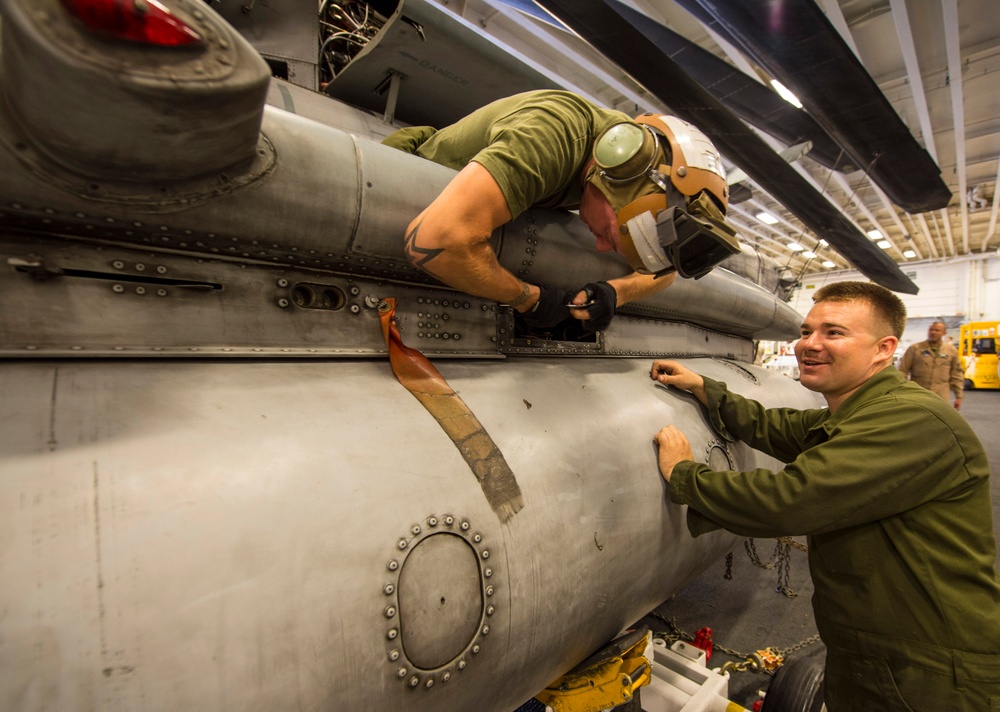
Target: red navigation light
(145,21)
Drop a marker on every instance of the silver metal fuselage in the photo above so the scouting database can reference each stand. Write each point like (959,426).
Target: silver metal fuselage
(208,535)
(214,494)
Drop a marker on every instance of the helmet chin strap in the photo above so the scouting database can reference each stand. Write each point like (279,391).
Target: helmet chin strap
(646,241)
(639,221)
(654,202)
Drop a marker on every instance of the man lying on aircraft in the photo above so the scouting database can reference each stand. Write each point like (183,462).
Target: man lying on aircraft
(652,189)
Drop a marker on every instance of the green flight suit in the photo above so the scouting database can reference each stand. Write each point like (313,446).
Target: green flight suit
(893,493)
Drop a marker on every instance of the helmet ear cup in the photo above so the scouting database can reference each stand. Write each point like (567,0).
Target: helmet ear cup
(617,144)
(625,152)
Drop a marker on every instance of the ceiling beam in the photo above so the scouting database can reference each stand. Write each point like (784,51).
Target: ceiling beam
(611,34)
(794,233)
(547,35)
(808,55)
(836,17)
(946,219)
(927,231)
(921,231)
(901,20)
(996,209)
(853,196)
(948,248)
(763,241)
(894,215)
(799,234)
(950,11)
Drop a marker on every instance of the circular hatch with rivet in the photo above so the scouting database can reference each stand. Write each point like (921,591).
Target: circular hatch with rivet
(438,601)
(718,456)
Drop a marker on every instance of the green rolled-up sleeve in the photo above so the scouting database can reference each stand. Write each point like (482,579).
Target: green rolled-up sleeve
(867,467)
(679,488)
(409,139)
(778,432)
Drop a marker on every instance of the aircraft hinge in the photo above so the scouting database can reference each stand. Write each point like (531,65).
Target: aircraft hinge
(35,268)
(38,270)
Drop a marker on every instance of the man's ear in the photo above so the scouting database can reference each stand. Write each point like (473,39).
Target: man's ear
(886,347)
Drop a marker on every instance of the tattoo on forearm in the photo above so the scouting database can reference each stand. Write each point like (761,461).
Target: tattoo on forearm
(524,296)
(419,256)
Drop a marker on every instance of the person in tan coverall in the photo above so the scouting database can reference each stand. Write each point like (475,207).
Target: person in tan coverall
(934,364)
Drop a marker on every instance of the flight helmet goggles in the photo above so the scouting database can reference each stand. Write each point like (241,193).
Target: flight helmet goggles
(671,216)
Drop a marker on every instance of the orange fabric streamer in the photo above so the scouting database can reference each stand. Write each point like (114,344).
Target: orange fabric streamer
(419,376)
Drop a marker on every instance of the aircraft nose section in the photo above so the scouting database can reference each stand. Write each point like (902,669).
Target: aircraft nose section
(124,110)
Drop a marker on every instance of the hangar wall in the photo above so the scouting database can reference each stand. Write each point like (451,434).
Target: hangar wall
(954,291)
(963,287)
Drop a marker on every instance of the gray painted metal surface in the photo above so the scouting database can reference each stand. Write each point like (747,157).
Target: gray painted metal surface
(311,196)
(301,213)
(218,535)
(447,69)
(285,31)
(281,532)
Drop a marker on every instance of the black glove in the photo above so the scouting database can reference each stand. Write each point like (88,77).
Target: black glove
(605,301)
(549,310)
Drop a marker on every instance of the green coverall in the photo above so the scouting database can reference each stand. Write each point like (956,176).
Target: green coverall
(892,491)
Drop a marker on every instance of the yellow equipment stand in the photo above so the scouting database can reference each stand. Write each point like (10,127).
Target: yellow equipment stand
(607,679)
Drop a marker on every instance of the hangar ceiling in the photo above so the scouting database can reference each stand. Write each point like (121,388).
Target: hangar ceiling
(936,62)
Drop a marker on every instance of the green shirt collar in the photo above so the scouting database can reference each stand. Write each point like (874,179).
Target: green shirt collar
(886,380)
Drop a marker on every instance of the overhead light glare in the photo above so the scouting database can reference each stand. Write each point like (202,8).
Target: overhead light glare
(909,254)
(884,244)
(875,234)
(824,243)
(795,247)
(809,254)
(767,218)
(828,264)
(785,94)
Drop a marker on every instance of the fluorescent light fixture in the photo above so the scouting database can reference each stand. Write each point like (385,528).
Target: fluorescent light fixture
(824,243)
(785,94)
(884,244)
(767,218)
(875,234)
(809,254)
(909,254)
(828,264)
(795,247)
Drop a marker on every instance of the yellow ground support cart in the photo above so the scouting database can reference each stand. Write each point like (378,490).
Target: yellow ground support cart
(977,347)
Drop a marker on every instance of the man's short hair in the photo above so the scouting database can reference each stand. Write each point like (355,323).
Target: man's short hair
(889,309)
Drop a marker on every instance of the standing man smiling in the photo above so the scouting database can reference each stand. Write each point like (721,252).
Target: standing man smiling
(891,487)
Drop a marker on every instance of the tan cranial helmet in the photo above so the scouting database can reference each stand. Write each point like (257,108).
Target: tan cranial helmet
(695,163)
(630,169)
